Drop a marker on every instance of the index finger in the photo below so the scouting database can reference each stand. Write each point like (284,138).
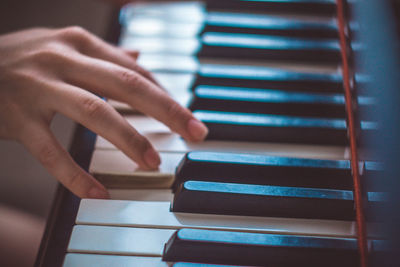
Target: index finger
(122,84)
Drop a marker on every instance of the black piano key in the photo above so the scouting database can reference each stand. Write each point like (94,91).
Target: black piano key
(256,249)
(312,7)
(272,128)
(254,46)
(264,170)
(271,25)
(249,100)
(262,200)
(264,77)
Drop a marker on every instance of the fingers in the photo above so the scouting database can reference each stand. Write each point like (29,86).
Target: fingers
(125,85)
(39,140)
(94,113)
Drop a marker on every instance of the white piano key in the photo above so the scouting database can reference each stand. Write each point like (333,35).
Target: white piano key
(166,141)
(115,170)
(188,11)
(118,240)
(195,12)
(158,215)
(154,26)
(160,45)
(94,260)
(162,195)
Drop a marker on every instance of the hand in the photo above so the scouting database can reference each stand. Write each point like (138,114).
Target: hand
(44,71)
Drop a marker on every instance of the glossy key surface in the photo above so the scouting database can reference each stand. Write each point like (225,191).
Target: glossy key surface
(241,46)
(321,7)
(266,24)
(265,77)
(259,249)
(267,101)
(272,128)
(254,46)
(263,200)
(264,170)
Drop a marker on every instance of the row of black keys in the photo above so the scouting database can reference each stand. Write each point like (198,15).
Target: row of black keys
(256,185)
(250,36)
(259,185)
(261,115)
(221,17)
(265,127)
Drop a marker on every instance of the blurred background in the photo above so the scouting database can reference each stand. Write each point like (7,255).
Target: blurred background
(24,184)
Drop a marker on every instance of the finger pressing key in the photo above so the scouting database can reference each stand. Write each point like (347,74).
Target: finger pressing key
(94,113)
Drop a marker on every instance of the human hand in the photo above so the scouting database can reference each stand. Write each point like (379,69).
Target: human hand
(46,71)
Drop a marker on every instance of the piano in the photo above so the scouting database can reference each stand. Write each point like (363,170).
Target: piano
(299,165)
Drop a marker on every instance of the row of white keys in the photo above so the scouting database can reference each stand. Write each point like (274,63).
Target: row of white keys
(189,12)
(157,215)
(112,240)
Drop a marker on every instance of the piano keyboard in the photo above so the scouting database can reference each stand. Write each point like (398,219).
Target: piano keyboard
(271,185)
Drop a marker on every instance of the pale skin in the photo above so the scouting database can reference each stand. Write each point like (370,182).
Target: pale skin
(49,71)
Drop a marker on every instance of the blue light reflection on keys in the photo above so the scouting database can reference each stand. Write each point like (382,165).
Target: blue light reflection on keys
(276,191)
(266,42)
(264,73)
(266,120)
(266,239)
(237,158)
(263,21)
(266,95)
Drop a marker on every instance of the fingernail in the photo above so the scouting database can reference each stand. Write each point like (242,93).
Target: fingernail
(152,158)
(197,129)
(96,192)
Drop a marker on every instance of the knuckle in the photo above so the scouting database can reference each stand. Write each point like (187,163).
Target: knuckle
(94,107)
(47,55)
(48,154)
(74,34)
(129,77)
(75,179)
(73,31)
